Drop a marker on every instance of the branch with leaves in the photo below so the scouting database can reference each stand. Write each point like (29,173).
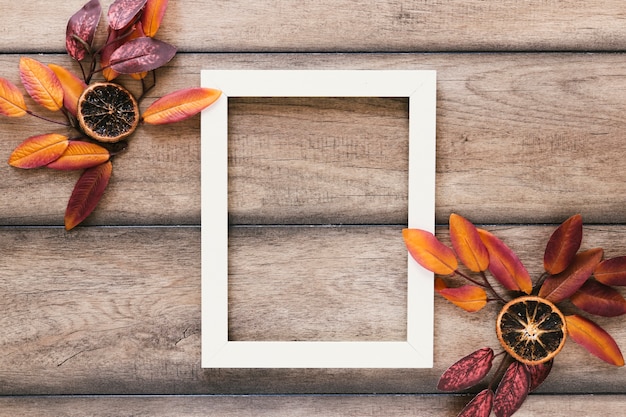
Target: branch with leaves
(99,115)
(530,326)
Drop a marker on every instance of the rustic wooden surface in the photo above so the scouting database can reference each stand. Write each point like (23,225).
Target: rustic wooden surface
(105,320)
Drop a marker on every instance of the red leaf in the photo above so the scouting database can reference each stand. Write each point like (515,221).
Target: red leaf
(38,151)
(480,406)
(512,390)
(558,287)
(469,297)
(599,299)
(113,42)
(180,105)
(563,245)
(468,371)
(429,252)
(72,87)
(83,25)
(538,373)
(122,12)
(612,271)
(504,265)
(467,244)
(87,193)
(12,102)
(153,15)
(141,54)
(80,155)
(595,339)
(41,83)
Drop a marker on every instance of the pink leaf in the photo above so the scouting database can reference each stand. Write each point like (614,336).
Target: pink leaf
(468,371)
(141,54)
(512,390)
(538,373)
(87,193)
(480,406)
(122,12)
(82,25)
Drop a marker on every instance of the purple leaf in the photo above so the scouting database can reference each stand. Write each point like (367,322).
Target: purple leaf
(141,54)
(122,12)
(538,373)
(512,390)
(468,371)
(480,406)
(82,25)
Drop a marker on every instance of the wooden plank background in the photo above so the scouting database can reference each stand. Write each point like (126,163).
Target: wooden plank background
(105,320)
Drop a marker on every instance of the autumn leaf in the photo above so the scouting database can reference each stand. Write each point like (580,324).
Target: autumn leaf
(41,83)
(153,15)
(87,193)
(563,245)
(611,271)
(512,390)
(469,297)
(180,105)
(538,373)
(12,102)
(122,12)
(480,406)
(557,288)
(504,265)
(113,42)
(72,87)
(135,34)
(82,25)
(38,151)
(141,54)
(429,252)
(80,155)
(467,244)
(468,371)
(599,299)
(595,339)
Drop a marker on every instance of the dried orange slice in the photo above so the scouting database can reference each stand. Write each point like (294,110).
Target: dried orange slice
(107,112)
(531,329)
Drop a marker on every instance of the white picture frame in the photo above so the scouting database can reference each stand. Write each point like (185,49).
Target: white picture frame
(419,86)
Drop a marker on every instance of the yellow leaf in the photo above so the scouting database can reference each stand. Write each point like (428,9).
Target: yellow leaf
(41,83)
(11,100)
(72,86)
(38,151)
(180,105)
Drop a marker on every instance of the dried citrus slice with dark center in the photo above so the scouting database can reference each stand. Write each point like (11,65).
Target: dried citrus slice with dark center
(531,329)
(107,112)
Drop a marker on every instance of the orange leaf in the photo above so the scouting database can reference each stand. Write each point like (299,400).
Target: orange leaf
(557,288)
(467,244)
(11,99)
(504,265)
(153,15)
(41,83)
(612,271)
(595,339)
(80,155)
(72,87)
(563,245)
(180,105)
(429,252)
(599,299)
(87,193)
(38,151)
(468,297)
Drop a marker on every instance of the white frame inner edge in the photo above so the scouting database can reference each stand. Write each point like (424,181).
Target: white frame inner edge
(217,351)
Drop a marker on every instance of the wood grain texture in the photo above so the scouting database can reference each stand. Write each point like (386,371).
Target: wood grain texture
(117,310)
(349,25)
(296,406)
(521,138)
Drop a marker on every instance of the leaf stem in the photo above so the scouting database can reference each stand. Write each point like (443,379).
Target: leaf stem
(490,287)
(504,363)
(47,120)
(470,279)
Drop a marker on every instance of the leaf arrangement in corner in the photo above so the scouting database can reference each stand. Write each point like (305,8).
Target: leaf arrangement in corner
(530,326)
(98,117)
